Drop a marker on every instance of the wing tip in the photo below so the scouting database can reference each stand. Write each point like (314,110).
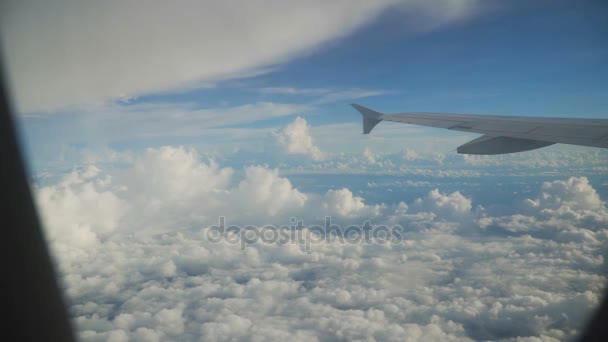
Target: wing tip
(370,117)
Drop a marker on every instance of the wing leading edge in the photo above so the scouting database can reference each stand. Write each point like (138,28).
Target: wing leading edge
(502,134)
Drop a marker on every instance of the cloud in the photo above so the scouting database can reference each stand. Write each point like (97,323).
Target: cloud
(323,95)
(444,204)
(341,144)
(409,154)
(558,156)
(114,122)
(576,193)
(77,211)
(169,172)
(170,188)
(369,155)
(343,203)
(264,192)
(76,53)
(565,210)
(293,91)
(296,139)
(540,279)
(351,94)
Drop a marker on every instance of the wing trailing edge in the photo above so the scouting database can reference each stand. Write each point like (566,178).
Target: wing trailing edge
(500,145)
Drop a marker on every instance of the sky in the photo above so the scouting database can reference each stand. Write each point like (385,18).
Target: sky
(144,126)
(114,90)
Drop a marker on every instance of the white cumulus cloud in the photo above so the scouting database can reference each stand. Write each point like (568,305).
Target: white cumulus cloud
(445,204)
(296,139)
(343,203)
(369,155)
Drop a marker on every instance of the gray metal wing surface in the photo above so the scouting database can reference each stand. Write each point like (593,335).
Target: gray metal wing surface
(502,134)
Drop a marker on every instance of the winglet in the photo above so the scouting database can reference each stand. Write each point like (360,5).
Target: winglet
(370,117)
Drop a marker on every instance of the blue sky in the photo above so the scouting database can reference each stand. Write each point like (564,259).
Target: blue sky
(529,60)
(515,58)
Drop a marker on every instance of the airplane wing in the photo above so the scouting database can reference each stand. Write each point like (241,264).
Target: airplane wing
(502,134)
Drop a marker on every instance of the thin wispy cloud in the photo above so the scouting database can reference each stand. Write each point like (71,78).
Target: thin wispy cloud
(319,96)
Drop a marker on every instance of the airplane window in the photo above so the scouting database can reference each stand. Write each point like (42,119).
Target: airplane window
(317,170)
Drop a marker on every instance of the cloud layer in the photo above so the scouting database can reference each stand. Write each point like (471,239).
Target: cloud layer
(133,253)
